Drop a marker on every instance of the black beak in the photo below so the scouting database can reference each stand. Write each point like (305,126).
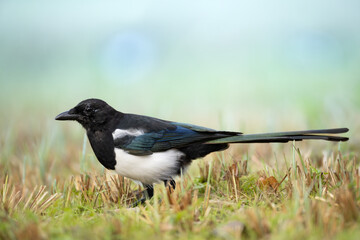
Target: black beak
(67,116)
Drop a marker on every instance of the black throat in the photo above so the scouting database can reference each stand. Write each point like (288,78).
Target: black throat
(102,142)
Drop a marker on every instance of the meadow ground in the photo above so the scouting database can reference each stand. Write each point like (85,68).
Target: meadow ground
(51,186)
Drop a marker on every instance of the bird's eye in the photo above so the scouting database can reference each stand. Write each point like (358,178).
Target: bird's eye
(88,110)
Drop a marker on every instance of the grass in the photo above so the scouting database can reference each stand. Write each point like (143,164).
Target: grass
(51,186)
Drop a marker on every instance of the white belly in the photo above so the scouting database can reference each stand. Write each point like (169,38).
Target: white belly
(148,169)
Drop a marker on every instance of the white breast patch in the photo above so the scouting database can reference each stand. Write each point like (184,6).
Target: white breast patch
(148,169)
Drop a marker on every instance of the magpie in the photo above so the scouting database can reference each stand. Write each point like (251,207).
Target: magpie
(151,150)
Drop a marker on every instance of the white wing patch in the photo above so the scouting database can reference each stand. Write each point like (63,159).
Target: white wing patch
(148,169)
(119,133)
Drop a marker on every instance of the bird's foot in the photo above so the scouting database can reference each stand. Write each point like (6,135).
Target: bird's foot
(138,202)
(147,194)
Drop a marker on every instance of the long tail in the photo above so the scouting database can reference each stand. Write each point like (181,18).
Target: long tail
(322,134)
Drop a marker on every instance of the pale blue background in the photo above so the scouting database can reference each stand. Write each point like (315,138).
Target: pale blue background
(236,63)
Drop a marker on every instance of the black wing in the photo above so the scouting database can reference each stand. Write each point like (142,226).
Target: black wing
(161,135)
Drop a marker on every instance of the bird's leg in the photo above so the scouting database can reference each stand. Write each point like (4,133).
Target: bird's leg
(149,191)
(148,194)
(170,183)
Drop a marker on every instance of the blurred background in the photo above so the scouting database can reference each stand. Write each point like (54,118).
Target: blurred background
(251,66)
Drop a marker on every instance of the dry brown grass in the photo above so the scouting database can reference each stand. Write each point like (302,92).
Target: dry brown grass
(243,193)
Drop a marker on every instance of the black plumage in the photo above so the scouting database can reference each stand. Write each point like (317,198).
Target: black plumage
(151,150)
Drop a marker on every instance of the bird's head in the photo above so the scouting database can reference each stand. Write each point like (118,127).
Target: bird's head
(90,113)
